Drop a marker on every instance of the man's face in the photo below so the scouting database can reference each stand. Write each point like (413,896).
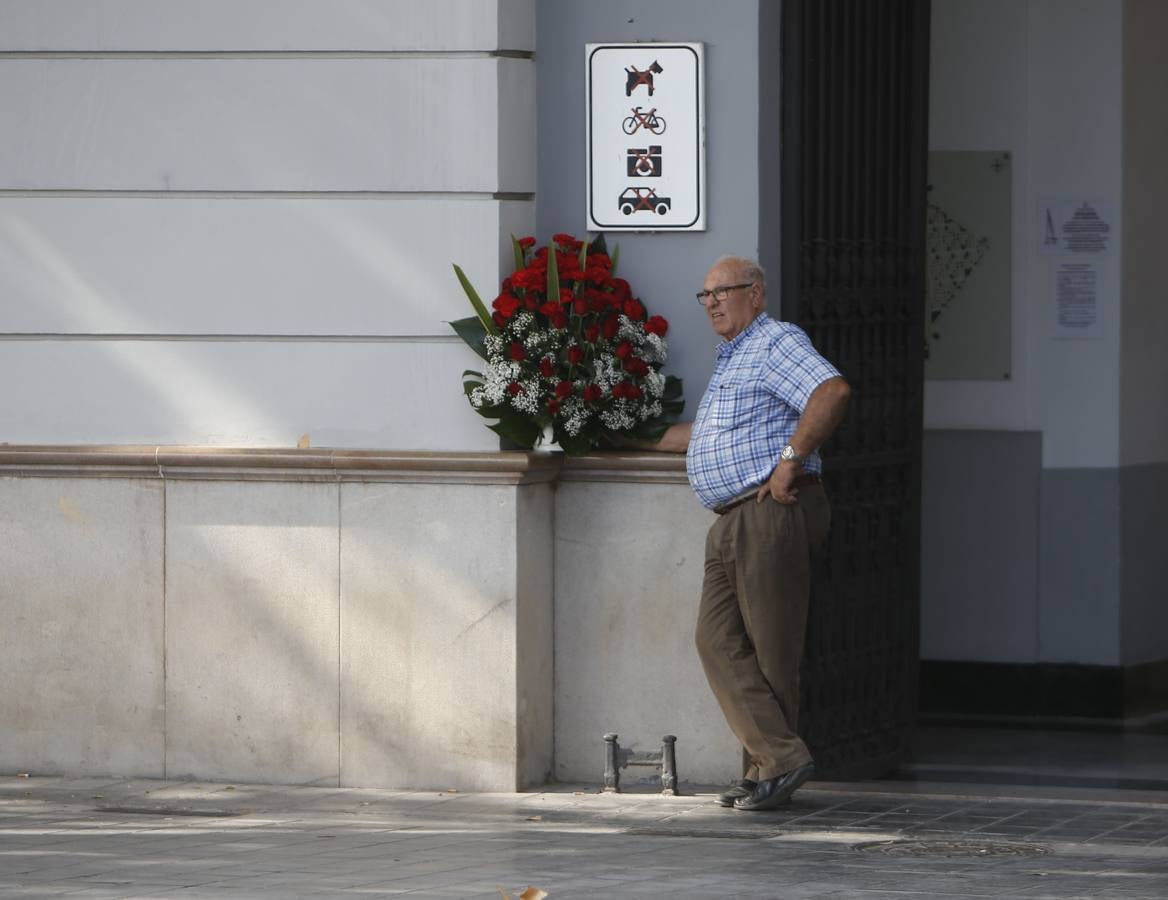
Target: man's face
(742,304)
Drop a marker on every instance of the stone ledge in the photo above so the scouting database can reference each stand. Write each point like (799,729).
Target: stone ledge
(334,465)
(274,464)
(646,467)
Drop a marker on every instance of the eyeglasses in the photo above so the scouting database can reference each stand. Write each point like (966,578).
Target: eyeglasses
(720,294)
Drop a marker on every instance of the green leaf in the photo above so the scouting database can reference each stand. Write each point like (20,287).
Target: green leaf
(518,429)
(615,256)
(599,245)
(472,333)
(475,301)
(469,383)
(672,389)
(519,261)
(583,254)
(553,276)
(573,446)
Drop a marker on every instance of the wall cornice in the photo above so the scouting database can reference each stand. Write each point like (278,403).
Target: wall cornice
(323,464)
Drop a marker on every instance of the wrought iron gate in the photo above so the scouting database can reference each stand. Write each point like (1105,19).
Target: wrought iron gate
(855,76)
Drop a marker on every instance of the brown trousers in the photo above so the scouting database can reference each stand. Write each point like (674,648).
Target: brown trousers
(753,618)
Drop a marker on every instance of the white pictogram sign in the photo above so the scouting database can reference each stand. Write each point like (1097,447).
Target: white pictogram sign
(646,154)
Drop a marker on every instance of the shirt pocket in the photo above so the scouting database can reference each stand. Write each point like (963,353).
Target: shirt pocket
(733,402)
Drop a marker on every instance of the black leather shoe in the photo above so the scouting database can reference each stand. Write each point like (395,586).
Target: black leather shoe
(774,792)
(744,788)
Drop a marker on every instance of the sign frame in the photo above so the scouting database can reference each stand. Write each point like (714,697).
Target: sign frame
(622,182)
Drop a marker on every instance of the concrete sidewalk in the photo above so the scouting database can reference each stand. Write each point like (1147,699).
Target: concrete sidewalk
(116,838)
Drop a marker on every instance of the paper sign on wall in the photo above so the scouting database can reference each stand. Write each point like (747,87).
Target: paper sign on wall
(1074,226)
(645,137)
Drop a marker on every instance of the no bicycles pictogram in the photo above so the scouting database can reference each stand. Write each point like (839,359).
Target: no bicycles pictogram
(638,120)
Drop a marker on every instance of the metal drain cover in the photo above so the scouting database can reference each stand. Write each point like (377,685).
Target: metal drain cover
(951,848)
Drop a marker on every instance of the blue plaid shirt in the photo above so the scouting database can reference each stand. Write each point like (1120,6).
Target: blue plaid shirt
(761,382)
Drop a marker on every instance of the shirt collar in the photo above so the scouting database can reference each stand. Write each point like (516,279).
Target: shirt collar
(725,348)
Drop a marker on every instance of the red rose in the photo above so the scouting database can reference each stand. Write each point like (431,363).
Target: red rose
(623,350)
(633,392)
(636,366)
(548,308)
(517,352)
(553,406)
(499,319)
(580,306)
(546,367)
(507,304)
(575,355)
(569,266)
(634,310)
(566,295)
(567,241)
(527,242)
(514,388)
(621,289)
(531,301)
(563,390)
(528,278)
(657,325)
(592,393)
(610,326)
(592,333)
(557,318)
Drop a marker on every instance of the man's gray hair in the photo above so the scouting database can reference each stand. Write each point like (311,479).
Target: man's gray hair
(748,269)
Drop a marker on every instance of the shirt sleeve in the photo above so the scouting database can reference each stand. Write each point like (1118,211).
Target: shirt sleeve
(794,368)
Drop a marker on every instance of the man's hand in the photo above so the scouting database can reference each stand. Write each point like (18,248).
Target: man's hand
(779,484)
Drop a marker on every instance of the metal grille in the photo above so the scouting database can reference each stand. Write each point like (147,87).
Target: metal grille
(854,155)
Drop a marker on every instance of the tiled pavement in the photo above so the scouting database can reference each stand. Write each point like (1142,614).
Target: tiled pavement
(108,838)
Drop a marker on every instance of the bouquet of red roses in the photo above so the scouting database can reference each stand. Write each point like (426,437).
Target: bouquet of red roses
(568,346)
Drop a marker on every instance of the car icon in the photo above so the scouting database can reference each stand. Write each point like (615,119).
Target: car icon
(634,199)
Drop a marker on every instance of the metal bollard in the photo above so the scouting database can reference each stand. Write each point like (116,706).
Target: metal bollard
(616,759)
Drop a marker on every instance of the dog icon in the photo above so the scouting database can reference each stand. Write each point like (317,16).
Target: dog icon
(637,77)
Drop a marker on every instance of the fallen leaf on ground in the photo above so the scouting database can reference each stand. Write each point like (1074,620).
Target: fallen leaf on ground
(533,893)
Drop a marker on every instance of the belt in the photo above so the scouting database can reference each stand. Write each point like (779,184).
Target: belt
(800,481)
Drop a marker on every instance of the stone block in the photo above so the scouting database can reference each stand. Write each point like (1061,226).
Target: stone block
(82,638)
(629,564)
(446,635)
(252,631)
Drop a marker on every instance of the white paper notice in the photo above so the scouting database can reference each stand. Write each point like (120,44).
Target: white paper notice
(1076,300)
(1075,226)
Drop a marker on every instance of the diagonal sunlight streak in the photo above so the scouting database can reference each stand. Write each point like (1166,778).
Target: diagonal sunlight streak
(196,393)
(281,618)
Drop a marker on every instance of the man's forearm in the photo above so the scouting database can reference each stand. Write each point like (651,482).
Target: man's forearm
(675,439)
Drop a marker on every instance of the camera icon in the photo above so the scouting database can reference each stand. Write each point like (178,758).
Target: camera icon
(644,162)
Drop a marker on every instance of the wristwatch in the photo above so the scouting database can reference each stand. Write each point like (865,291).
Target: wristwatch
(790,455)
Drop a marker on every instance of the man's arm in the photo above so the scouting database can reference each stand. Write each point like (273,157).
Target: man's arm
(674,440)
(824,411)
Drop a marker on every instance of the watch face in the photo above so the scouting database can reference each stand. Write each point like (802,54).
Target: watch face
(788,453)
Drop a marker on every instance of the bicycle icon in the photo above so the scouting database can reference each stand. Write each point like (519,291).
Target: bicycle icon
(638,120)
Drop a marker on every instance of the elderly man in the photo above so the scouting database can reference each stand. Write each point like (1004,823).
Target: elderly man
(752,457)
